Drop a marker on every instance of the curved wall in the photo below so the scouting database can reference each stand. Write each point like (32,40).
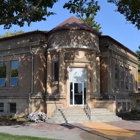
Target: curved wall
(73,38)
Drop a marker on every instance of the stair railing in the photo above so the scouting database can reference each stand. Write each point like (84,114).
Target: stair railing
(87,108)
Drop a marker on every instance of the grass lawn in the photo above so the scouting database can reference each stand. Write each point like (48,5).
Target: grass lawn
(5,136)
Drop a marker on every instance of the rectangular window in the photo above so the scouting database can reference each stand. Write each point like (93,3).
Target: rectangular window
(14,73)
(121,77)
(1,107)
(55,71)
(126,78)
(3,67)
(12,107)
(130,80)
(116,76)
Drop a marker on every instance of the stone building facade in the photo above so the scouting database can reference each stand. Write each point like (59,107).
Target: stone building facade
(71,65)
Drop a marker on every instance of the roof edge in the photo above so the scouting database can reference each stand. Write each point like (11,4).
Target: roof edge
(102,36)
(23,34)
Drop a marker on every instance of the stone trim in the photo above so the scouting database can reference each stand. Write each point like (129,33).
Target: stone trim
(107,54)
(13,97)
(10,47)
(74,47)
(53,102)
(57,96)
(123,54)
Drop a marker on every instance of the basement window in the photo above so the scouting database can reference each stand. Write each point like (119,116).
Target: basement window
(1,107)
(12,107)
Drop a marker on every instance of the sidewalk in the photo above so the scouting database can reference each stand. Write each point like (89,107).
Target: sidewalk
(120,130)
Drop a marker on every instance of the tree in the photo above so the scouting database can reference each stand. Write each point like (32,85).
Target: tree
(86,11)
(7,34)
(130,9)
(18,12)
(138,53)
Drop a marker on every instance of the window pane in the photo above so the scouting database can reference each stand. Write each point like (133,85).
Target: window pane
(14,68)
(12,107)
(14,73)
(14,81)
(71,93)
(56,71)
(116,76)
(2,82)
(3,66)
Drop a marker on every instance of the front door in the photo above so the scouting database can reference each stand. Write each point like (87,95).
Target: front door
(77,86)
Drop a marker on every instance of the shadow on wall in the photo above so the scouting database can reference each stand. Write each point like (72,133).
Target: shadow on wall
(73,38)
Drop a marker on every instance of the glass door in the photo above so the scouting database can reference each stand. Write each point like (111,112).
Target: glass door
(77,93)
(78,81)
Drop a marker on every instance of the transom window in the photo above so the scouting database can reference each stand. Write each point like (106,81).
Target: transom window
(3,67)
(14,73)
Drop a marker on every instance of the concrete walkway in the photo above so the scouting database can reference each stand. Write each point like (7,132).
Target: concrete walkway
(121,130)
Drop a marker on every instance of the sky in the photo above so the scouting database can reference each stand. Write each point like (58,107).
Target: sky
(113,24)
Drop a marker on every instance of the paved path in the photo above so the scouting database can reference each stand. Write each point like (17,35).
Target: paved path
(121,130)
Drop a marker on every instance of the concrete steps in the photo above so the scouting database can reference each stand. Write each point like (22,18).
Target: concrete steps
(79,115)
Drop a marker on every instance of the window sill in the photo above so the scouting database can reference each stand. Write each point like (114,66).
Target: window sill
(5,88)
(125,90)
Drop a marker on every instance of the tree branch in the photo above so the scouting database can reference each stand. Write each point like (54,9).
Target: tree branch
(8,20)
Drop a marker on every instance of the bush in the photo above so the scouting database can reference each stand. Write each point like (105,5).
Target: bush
(37,116)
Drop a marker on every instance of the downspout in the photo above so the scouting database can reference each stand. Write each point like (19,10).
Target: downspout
(32,78)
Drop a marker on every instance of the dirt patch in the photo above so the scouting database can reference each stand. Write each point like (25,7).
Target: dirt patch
(7,121)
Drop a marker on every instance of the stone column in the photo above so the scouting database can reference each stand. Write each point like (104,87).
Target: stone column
(98,73)
(61,72)
(93,82)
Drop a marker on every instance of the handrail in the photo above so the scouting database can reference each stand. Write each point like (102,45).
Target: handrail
(87,109)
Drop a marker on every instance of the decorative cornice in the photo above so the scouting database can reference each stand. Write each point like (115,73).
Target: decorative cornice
(75,47)
(10,47)
(123,54)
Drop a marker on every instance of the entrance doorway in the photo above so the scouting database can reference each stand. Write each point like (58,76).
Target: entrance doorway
(78,78)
